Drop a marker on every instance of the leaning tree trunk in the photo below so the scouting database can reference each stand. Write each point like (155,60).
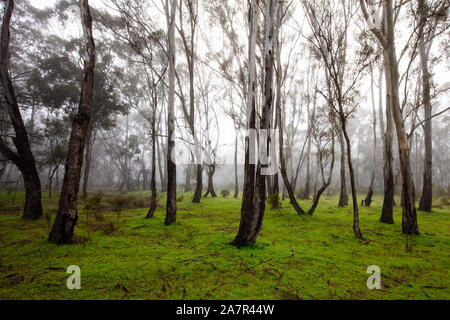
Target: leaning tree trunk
(427,191)
(67,216)
(356,229)
(368,199)
(23,158)
(343,196)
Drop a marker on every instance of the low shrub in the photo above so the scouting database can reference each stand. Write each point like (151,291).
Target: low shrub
(224,192)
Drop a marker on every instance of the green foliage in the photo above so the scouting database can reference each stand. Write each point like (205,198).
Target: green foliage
(312,257)
(180,198)
(224,192)
(94,203)
(274,201)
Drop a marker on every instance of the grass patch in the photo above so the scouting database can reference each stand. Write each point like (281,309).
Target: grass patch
(294,257)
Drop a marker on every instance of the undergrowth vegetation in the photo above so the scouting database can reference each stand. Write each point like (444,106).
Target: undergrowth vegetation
(122,255)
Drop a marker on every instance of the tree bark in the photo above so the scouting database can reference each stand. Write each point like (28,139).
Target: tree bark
(356,229)
(387,212)
(67,216)
(171,204)
(152,208)
(198,185)
(87,164)
(253,198)
(409,216)
(236,182)
(23,158)
(343,196)
(210,190)
(368,199)
(427,191)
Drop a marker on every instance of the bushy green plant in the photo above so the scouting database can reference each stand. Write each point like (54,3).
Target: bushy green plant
(224,192)
(118,203)
(180,198)
(94,203)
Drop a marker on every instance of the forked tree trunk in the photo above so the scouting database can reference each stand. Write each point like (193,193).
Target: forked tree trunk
(409,215)
(67,216)
(386,39)
(210,190)
(253,205)
(171,204)
(23,158)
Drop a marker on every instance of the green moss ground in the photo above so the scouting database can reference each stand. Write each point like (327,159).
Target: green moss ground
(307,257)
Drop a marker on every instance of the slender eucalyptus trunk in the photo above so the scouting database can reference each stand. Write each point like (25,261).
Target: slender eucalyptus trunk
(368,199)
(171,204)
(198,185)
(409,215)
(356,229)
(152,208)
(343,196)
(236,182)
(387,212)
(427,191)
(87,164)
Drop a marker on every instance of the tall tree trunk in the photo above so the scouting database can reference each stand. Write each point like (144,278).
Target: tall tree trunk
(152,208)
(87,164)
(236,182)
(23,158)
(287,187)
(427,191)
(67,216)
(409,216)
(387,212)
(254,185)
(356,229)
(368,199)
(171,205)
(343,196)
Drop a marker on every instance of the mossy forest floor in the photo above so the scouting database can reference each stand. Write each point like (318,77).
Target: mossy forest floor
(294,257)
